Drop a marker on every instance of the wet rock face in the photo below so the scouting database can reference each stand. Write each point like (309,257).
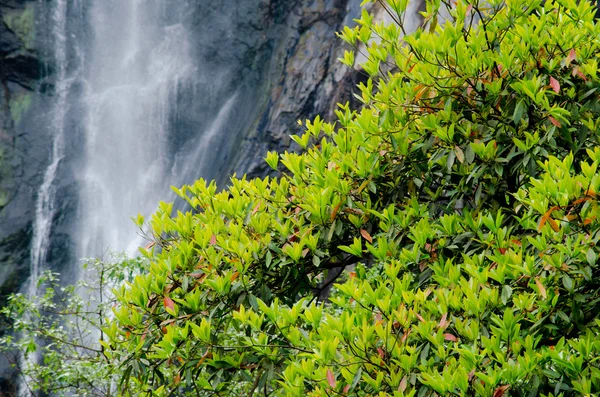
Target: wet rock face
(280,58)
(304,78)
(21,152)
(20,72)
(19,62)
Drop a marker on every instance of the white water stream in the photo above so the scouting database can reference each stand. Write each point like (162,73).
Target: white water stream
(45,204)
(45,207)
(137,65)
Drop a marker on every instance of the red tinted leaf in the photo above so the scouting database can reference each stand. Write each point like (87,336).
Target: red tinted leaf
(405,336)
(499,72)
(335,211)
(471,374)
(346,388)
(572,55)
(553,224)
(546,217)
(580,200)
(443,323)
(168,302)
(206,355)
(213,240)
(403,384)
(421,90)
(572,217)
(450,337)
(366,235)
(380,352)
(541,288)
(460,155)
(330,378)
(499,392)
(554,84)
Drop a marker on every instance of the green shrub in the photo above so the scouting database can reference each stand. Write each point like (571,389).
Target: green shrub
(54,345)
(465,191)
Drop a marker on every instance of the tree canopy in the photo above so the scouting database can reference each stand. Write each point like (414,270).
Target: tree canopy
(461,198)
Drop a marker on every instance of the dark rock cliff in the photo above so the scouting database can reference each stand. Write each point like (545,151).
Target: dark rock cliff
(304,78)
(21,157)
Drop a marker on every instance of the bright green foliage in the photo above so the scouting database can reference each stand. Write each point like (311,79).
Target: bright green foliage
(54,340)
(466,189)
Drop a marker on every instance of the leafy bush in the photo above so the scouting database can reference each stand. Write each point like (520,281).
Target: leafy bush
(465,191)
(54,344)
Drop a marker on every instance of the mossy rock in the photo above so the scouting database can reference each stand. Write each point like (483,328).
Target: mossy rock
(4,197)
(22,23)
(18,105)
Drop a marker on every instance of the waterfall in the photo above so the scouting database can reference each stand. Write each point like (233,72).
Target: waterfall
(45,204)
(45,207)
(139,59)
(142,98)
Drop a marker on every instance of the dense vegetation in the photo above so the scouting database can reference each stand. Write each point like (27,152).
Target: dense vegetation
(462,200)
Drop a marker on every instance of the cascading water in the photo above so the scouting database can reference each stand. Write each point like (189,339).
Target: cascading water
(46,200)
(45,205)
(139,59)
(142,99)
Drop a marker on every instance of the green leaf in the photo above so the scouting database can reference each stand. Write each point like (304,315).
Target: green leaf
(591,257)
(568,282)
(506,293)
(519,110)
(356,378)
